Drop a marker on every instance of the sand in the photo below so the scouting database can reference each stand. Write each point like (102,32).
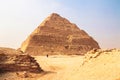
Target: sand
(106,66)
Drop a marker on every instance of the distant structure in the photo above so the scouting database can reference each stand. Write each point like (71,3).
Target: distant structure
(56,35)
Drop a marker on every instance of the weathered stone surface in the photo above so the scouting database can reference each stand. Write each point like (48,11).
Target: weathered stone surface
(9,51)
(20,62)
(56,35)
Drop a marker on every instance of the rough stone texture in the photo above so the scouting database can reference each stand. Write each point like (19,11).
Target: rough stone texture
(9,51)
(12,63)
(56,35)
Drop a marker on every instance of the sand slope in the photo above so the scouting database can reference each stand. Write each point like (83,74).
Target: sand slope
(105,66)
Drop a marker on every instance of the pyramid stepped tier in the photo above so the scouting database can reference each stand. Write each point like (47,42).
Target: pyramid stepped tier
(56,35)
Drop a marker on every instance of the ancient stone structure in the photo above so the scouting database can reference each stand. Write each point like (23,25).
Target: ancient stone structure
(10,51)
(22,62)
(56,35)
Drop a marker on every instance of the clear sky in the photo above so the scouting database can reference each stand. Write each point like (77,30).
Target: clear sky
(99,18)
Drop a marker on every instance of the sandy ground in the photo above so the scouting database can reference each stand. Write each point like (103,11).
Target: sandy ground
(57,66)
(106,66)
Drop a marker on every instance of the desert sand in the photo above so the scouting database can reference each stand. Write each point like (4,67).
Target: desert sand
(98,65)
(105,66)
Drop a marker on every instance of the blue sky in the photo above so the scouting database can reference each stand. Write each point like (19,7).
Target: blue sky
(99,18)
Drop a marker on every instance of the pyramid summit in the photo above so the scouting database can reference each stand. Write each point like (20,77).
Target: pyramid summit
(57,35)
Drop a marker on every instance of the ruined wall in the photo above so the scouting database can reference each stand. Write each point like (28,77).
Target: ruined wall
(18,63)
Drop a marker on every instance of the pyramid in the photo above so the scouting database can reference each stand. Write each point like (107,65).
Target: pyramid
(56,35)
